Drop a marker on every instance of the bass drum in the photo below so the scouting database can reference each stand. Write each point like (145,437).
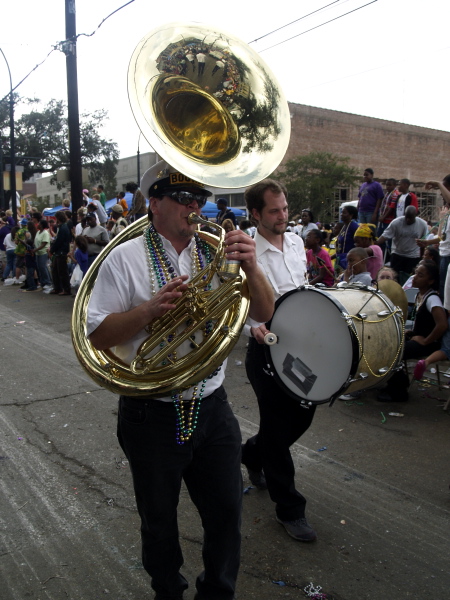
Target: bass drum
(325,342)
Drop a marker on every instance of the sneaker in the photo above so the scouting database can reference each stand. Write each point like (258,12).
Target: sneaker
(22,278)
(47,287)
(32,290)
(257,478)
(419,369)
(9,281)
(346,397)
(299,529)
(24,287)
(48,290)
(17,282)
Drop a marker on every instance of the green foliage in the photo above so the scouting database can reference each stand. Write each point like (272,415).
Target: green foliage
(42,137)
(312,180)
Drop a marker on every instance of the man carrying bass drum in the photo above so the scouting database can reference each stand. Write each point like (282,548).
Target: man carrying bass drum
(283,420)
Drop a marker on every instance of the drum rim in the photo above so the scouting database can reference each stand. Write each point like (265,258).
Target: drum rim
(353,339)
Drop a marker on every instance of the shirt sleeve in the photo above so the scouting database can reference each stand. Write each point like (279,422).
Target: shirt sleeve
(433,301)
(389,232)
(327,260)
(104,236)
(380,193)
(110,295)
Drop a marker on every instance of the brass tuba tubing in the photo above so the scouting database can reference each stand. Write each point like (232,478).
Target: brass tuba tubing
(233,137)
(227,306)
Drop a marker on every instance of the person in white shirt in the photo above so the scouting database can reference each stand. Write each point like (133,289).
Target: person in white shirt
(307,222)
(102,217)
(404,233)
(201,58)
(282,419)
(443,231)
(191,435)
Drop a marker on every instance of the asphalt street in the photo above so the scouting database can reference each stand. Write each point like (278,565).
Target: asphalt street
(377,485)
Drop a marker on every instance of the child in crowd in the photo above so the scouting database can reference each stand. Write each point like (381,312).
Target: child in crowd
(430,324)
(228,225)
(444,352)
(80,256)
(365,238)
(387,273)
(430,253)
(318,261)
(356,271)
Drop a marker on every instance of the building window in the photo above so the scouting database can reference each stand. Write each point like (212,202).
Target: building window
(235,200)
(428,206)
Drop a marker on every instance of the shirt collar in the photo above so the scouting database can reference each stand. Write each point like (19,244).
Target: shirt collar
(262,245)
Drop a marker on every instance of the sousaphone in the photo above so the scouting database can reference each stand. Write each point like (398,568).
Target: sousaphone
(225,124)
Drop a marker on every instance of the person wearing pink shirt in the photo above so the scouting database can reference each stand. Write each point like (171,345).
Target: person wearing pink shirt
(365,238)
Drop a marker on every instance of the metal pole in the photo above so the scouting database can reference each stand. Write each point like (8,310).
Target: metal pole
(70,50)
(138,163)
(11,144)
(2,191)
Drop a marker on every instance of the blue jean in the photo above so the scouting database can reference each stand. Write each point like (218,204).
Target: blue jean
(365,216)
(44,274)
(209,464)
(10,263)
(30,264)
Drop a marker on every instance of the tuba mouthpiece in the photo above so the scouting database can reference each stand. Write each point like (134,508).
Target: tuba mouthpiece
(195,218)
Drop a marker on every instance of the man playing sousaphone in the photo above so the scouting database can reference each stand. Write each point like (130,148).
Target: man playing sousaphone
(190,435)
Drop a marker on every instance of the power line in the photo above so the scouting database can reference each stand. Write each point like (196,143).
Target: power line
(62,46)
(433,51)
(317,26)
(110,15)
(26,76)
(292,22)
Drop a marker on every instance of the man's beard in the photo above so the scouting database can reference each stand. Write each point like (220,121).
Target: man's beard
(279,228)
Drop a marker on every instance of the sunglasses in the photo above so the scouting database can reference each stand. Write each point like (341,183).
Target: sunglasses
(186,198)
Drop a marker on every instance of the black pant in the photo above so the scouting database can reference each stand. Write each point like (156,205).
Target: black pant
(60,274)
(282,421)
(209,464)
(403,263)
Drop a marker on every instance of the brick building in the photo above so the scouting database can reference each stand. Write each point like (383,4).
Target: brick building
(392,149)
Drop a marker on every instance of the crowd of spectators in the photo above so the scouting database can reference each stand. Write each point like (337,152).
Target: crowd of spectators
(54,255)
(408,249)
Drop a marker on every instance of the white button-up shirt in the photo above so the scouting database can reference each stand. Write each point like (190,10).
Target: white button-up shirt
(285,270)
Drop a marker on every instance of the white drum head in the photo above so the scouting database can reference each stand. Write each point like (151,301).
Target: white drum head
(314,353)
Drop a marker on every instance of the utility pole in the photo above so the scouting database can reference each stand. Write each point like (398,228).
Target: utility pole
(13,190)
(70,50)
(2,191)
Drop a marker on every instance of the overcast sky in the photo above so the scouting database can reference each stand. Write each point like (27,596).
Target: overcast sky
(389,59)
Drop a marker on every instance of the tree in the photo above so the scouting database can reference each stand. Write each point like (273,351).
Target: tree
(41,139)
(312,179)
